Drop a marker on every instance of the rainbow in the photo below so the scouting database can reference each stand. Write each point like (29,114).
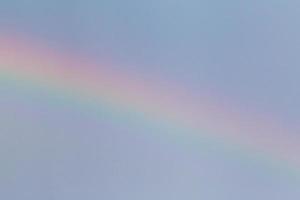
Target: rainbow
(23,61)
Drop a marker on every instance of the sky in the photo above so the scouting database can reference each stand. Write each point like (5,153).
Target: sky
(215,66)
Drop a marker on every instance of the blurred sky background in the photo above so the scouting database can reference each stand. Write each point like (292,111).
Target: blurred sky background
(246,52)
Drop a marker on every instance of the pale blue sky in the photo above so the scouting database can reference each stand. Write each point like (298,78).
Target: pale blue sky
(247,51)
